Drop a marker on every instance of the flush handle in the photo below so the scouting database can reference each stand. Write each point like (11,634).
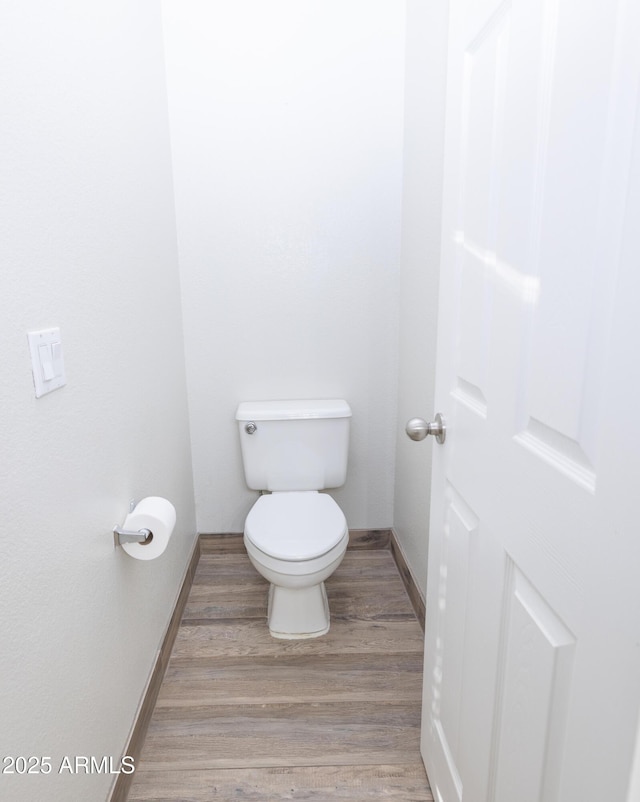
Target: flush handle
(418,429)
(250,428)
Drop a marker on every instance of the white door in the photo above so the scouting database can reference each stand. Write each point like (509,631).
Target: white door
(532,658)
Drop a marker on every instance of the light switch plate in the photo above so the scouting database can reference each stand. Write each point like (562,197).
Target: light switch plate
(47,361)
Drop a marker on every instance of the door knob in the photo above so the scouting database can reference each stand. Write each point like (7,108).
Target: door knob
(418,429)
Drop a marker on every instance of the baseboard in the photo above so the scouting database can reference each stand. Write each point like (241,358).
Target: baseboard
(232,543)
(145,710)
(413,590)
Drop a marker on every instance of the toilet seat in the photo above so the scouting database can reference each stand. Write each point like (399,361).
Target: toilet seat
(295,526)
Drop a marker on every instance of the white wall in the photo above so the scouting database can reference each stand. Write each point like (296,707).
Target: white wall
(423,153)
(286,125)
(87,243)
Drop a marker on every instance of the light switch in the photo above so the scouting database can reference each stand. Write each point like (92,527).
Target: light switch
(56,358)
(47,362)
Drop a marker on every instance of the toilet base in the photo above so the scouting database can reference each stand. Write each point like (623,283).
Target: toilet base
(295,613)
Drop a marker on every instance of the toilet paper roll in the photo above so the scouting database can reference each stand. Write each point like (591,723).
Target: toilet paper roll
(159,516)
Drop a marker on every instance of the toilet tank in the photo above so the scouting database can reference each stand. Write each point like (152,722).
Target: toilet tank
(296,445)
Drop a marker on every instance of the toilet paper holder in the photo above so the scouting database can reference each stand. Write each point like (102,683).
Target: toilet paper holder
(120,536)
(143,536)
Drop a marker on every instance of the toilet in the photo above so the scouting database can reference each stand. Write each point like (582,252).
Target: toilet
(295,536)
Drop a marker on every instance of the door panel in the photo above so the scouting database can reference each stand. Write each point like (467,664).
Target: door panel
(535,667)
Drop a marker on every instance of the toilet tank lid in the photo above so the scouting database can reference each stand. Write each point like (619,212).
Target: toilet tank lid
(293,410)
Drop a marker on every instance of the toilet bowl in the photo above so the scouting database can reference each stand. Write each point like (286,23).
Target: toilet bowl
(296,540)
(295,536)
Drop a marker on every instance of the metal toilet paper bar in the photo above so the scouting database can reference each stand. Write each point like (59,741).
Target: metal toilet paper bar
(121,536)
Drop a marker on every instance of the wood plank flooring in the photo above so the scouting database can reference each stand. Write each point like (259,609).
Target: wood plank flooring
(243,716)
